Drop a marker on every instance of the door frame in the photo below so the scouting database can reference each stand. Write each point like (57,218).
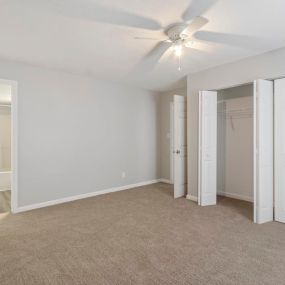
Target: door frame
(14,142)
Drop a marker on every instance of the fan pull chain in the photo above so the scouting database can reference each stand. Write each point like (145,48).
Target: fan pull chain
(179,63)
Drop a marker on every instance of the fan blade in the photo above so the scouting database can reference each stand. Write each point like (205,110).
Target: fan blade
(197,45)
(197,8)
(195,25)
(152,57)
(157,52)
(241,41)
(146,38)
(89,10)
(189,43)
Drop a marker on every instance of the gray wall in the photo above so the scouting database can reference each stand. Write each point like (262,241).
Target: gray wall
(165,99)
(77,135)
(269,65)
(236,92)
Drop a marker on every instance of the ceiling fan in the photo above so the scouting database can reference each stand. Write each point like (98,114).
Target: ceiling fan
(180,36)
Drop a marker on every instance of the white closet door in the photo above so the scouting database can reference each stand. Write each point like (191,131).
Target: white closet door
(180,146)
(263,151)
(279,122)
(207,148)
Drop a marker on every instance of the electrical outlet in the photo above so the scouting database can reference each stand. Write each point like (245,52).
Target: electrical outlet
(123,174)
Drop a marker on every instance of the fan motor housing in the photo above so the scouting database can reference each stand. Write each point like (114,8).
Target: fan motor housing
(174,32)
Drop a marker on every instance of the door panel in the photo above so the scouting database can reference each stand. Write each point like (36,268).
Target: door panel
(279,123)
(263,151)
(207,148)
(180,146)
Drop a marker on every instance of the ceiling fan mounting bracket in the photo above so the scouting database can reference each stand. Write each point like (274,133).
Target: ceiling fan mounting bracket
(174,32)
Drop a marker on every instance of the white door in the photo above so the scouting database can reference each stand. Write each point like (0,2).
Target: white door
(263,151)
(171,143)
(207,148)
(279,168)
(180,146)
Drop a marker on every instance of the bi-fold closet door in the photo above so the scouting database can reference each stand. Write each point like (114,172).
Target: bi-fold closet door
(279,149)
(207,179)
(263,160)
(262,149)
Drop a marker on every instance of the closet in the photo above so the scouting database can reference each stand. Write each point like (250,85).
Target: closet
(236,146)
(235,142)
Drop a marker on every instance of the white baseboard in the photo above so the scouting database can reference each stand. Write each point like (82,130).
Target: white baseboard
(192,198)
(167,181)
(235,196)
(82,196)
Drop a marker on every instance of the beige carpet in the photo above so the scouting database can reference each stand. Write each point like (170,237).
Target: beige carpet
(140,236)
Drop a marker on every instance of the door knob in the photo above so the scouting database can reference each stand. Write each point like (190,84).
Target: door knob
(178,151)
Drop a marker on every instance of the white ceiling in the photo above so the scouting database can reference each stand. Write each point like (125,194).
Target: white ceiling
(96,37)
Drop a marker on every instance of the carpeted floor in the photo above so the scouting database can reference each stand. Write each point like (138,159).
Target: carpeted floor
(141,236)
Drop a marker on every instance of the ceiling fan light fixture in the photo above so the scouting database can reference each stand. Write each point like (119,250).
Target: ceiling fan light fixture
(178,47)
(178,50)
(189,44)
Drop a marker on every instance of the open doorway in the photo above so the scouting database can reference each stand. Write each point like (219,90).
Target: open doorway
(8,147)
(235,147)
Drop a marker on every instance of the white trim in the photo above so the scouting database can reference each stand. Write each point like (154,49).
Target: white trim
(83,196)
(192,198)
(14,142)
(235,196)
(167,181)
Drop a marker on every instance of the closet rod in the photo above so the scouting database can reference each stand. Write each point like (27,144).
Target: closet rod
(235,114)
(238,117)
(238,110)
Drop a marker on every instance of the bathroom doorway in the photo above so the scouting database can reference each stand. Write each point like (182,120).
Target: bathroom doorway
(8,149)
